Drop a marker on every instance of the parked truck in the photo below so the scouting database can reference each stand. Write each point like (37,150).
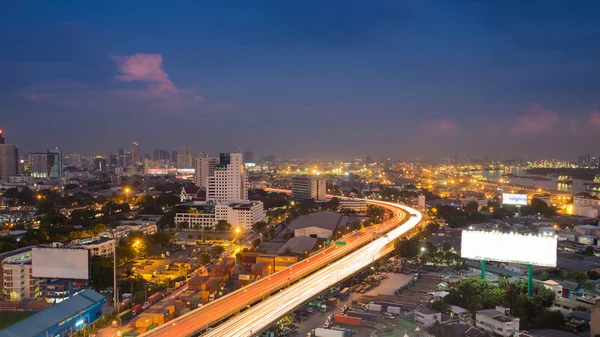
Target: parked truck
(348,320)
(366,316)
(394,310)
(345,292)
(374,307)
(136,309)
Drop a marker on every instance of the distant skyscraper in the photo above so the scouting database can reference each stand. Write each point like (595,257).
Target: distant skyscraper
(161,155)
(248,156)
(8,160)
(2,140)
(205,167)
(112,160)
(136,158)
(229,181)
(121,157)
(38,164)
(72,159)
(174,157)
(55,166)
(184,158)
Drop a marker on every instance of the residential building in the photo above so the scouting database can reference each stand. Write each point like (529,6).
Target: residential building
(319,224)
(184,158)
(309,187)
(357,205)
(55,166)
(241,213)
(497,321)
(136,155)
(73,159)
(556,287)
(595,319)
(229,181)
(205,168)
(18,283)
(248,156)
(427,317)
(96,245)
(421,201)
(197,215)
(8,160)
(126,227)
(57,290)
(567,305)
(162,155)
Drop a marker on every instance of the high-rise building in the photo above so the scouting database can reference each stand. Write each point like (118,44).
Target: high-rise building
(309,187)
(8,160)
(112,160)
(121,158)
(248,156)
(174,157)
(55,166)
(205,167)
(229,181)
(161,155)
(184,158)
(2,140)
(136,155)
(38,164)
(72,159)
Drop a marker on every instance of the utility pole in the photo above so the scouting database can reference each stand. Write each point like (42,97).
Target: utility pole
(115,289)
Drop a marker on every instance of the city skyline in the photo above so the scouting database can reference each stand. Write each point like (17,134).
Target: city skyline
(340,80)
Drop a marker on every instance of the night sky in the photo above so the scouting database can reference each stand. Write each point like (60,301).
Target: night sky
(299,79)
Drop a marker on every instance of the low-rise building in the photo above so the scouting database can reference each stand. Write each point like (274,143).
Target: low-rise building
(17,280)
(497,321)
(96,245)
(357,205)
(318,225)
(427,317)
(241,213)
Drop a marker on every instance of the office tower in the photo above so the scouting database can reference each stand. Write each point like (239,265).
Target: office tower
(8,160)
(184,158)
(161,155)
(112,160)
(100,164)
(136,158)
(205,167)
(174,158)
(307,187)
(55,167)
(229,181)
(248,156)
(38,164)
(121,156)
(2,140)
(72,159)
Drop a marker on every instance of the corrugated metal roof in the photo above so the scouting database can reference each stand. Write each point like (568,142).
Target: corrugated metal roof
(46,319)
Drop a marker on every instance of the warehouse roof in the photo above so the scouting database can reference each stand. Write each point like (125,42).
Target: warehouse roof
(298,245)
(327,220)
(46,319)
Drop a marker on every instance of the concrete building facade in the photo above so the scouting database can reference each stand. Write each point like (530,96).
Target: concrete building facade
(229,181)
(309,187)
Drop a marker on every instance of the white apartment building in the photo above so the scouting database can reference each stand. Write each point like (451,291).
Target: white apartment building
(229,181)
(586,207)
(427,317)
(205,215)
(307,187)
(97,246)
(242,213)
(497,321)
(17,281)
(357,205)
(205,167)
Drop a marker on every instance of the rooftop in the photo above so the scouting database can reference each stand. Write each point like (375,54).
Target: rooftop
(46,319)
(298,245)
(326,219)
(426,311)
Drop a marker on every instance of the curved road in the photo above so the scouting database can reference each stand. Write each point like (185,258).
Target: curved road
(214,312)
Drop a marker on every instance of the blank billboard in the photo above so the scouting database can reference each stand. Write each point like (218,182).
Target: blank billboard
(539,250)
(514,199)
(63,263)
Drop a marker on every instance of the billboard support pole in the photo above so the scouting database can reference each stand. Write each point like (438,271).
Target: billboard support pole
(530,281)
(483,269)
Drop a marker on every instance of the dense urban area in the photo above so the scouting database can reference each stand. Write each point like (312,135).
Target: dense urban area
(168,234)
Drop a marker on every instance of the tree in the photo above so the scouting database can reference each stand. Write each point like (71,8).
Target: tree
(217,250)
(593,275)
(545,276)
(575,276)
(588,251)
(407,248)
(551,319)
(334,204)
(441,330)
(259,226)
(475,294)
(223,225)
(204,258)
(11,193)
(101,272)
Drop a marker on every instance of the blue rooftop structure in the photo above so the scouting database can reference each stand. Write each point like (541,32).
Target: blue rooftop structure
(60,319)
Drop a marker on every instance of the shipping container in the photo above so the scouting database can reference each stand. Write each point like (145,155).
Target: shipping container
(136,309)
(125,315)
(155,298)
(394,310)
(374,307)
(320,332)
(348,320)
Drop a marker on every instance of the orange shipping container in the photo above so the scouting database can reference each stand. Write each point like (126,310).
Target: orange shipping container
(154,298)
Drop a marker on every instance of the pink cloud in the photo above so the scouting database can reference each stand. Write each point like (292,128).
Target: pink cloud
(156,92)
(439,127)
(538,120)
(594,119)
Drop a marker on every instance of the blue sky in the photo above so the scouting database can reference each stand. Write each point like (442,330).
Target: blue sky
(329,79)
